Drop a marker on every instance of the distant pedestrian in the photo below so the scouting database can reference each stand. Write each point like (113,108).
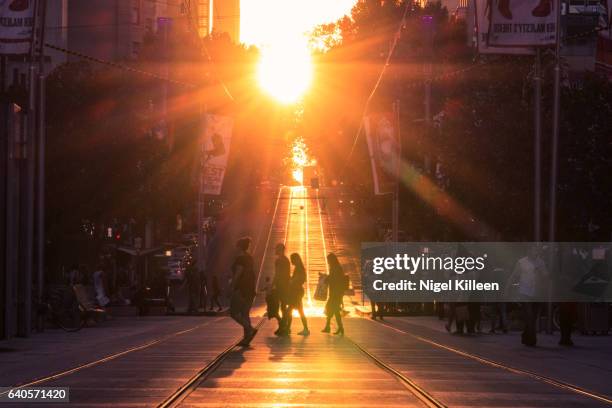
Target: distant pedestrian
(203,289)
(296,293)
(74,276)
(567,317)
(243,290)
(529,272)
(193,288)
(280,282)
(215,292)
(99,283)
(338,284)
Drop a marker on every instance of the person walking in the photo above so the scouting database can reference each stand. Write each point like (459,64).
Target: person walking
(280,282)
(215,293)
(243,290)
(529,273)
(338,283)
(296,293)
(193,288)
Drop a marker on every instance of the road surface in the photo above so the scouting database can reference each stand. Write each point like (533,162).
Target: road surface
(197,364)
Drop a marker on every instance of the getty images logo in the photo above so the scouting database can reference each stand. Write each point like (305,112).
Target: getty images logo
(424,262)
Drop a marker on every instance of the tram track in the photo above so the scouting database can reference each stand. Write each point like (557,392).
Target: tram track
(420,393)
(63,373)
(177,397)
(495,364)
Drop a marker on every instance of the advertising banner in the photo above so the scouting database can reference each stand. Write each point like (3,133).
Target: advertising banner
(16,23)
(216,146)
(605,17)
(381,135)
(522,23)
(482,11)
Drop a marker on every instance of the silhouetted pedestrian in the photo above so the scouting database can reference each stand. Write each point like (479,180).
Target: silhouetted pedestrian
(243,290)
(567,317)
(215,292)
(338,284)
(280,282)
(296,293)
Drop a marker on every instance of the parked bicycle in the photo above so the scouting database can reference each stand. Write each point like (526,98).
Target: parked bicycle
(59,306)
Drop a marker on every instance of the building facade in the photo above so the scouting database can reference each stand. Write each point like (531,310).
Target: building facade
(217,16)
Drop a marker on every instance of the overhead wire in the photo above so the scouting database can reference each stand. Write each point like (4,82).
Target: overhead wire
(118,66)
(378,81)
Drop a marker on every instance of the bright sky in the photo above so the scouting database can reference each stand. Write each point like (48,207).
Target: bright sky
(270,22)
(279,28)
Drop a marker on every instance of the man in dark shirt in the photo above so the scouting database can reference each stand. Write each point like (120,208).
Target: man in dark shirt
(282,275)
(243,290)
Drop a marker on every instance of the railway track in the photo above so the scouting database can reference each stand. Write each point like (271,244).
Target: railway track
(377,364)
(563,385)
(177,397)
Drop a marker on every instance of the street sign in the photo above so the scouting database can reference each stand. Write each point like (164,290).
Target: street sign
(481,20)
(522,23)
(16,22)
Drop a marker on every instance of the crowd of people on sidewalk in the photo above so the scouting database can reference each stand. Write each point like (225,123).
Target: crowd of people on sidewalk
(527,277)
(284,292)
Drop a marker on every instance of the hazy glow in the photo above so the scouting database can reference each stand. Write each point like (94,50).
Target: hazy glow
(299,159)
(285,71)
(280,29)
(265,22)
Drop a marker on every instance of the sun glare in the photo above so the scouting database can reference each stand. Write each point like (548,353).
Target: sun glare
(285,72)
(280,28)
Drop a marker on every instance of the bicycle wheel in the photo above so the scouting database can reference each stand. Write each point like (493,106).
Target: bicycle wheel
(69,317)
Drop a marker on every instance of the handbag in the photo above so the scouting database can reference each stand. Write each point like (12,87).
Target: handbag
(322,288)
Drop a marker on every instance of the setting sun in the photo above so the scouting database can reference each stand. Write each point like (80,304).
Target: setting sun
(285,72)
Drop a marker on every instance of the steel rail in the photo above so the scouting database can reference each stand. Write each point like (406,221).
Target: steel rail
(422,395)
(192,384)
(549,380)
(110,357)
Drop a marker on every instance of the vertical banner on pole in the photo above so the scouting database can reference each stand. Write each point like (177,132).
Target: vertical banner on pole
(603,59)
(16,26)
(383,146)
(216,146)
(482,14)
(522,23)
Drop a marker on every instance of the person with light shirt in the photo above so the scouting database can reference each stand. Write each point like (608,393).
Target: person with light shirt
(529,273)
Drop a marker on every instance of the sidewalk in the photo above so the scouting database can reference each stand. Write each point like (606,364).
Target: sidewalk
(25,359)
(588,364)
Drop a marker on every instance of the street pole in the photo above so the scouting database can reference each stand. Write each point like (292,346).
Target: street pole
(40,177)
(537,185)
(552,220)
(429,32)
(27,196)
(555,135)
(395,214)
(201,205)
